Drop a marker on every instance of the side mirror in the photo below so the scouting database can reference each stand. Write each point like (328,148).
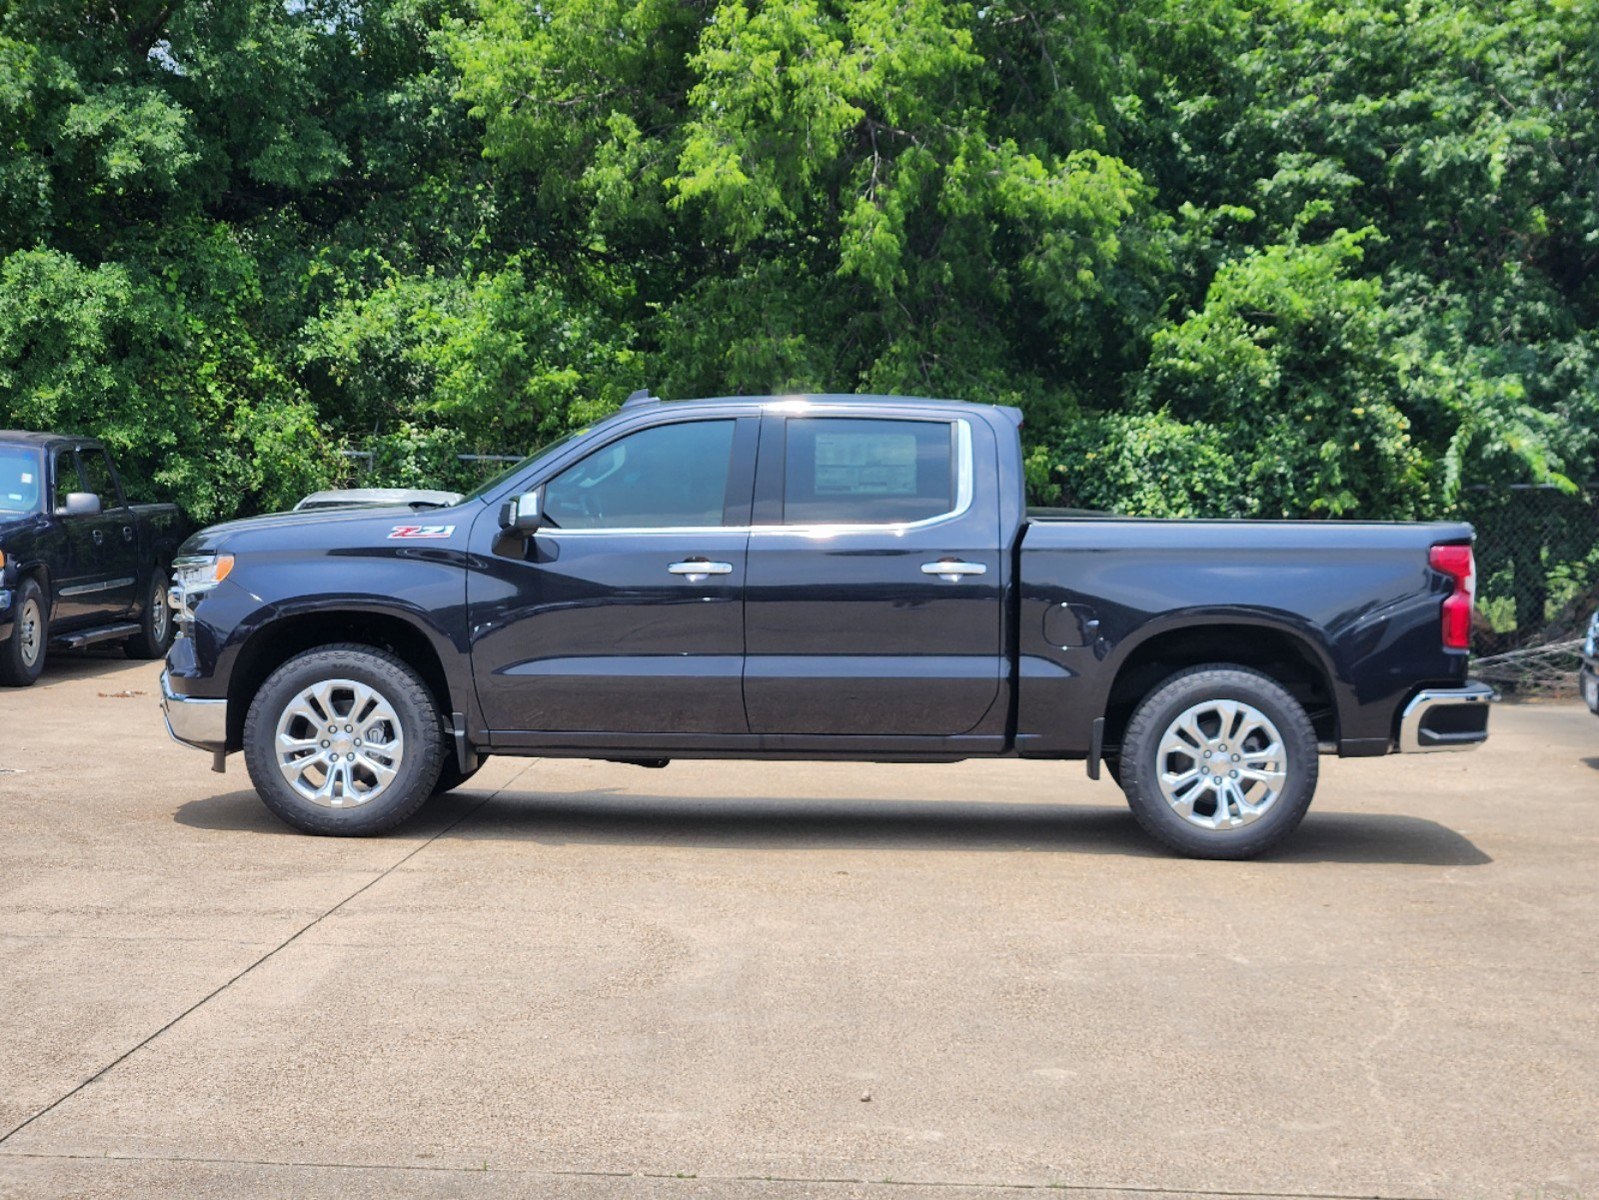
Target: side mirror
(80,504)
(522,513)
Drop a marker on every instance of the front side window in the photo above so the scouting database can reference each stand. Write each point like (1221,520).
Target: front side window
(97,477)
(66,477)
(661,477)
(858,471)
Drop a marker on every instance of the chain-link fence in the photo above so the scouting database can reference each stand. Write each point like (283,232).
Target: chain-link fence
(1537,583)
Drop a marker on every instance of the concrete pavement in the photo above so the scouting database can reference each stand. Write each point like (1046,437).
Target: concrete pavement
(779,980)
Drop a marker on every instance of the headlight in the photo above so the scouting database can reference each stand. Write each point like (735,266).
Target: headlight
(193,575)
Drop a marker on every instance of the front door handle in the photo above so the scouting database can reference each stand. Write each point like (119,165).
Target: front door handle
(697,569)
(99,536)
(951,571)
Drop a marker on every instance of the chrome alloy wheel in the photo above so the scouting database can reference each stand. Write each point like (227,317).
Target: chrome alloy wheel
(339,743)
(160,612)
(28,631)
(1222,764)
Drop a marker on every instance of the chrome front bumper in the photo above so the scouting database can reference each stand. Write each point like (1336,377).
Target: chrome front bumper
(1446,719)
(202,724)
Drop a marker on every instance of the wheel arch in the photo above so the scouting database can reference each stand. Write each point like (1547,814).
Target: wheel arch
(275,643)
(1283,653)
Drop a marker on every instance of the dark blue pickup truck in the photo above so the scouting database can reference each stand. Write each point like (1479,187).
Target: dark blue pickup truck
(78,563)
(825,577)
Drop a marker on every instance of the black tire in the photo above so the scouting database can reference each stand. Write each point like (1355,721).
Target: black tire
(22,653)
(154,638)
(451,776)
(1140,765)
(417,717)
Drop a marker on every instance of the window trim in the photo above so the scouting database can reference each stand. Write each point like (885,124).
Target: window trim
(740,473)
(965,489)
(964,485)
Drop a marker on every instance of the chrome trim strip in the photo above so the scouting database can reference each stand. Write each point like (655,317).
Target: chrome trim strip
(84,589)
(1428,699)
(202,724)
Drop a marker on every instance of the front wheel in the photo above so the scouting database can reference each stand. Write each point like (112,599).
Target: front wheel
(22,654)
(344,740)
(1219,762)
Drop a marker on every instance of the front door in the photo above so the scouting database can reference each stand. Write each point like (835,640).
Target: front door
(622,617)
(112,541)
(874,599)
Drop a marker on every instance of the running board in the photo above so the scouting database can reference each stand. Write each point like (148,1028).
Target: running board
(79,638)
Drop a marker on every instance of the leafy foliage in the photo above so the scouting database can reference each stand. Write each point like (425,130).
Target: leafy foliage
(1308,259)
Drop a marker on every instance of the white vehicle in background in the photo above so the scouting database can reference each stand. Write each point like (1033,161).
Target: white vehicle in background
(377,498)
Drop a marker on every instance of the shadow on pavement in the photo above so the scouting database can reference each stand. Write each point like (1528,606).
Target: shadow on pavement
(602,818)
(95,662)
(1592,762)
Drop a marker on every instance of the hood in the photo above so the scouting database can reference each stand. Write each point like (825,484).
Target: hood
(326,525)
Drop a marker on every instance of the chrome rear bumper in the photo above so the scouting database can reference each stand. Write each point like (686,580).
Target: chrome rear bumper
(1446,719)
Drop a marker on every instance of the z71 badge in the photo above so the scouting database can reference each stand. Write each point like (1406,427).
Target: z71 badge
(417,532)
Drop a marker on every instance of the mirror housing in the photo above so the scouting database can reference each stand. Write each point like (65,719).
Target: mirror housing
(522,513)
(80,504)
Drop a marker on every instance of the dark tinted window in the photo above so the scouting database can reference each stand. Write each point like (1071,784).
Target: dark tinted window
(842,470)
(66,475)
(662,476)
(97,477)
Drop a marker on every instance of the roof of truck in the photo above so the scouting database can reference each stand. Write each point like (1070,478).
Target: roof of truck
(25,437)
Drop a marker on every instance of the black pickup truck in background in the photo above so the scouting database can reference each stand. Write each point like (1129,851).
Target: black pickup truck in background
(78,563)
(824,577)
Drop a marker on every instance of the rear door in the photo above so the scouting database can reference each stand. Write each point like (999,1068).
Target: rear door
(874,599)
(622,618)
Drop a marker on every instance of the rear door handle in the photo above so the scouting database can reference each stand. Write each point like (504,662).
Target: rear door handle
(697,569)
(127,533)
(951,571)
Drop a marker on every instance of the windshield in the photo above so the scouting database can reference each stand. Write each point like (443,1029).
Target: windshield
(20,475)
(549,448)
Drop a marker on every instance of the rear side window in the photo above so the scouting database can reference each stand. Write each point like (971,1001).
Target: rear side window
(859,471)
(661,477)
(97,477)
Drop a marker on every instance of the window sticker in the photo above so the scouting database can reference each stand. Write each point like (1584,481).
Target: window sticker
(27,477)
(881,464)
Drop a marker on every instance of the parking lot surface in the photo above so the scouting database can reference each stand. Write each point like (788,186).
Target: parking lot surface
(767,980)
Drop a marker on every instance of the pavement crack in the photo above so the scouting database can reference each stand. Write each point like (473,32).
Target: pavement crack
(1059,1189)
(266,957)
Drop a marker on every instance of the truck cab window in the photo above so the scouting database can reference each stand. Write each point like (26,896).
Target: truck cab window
(97,477)
(662,477)
(66,477)
(854,471)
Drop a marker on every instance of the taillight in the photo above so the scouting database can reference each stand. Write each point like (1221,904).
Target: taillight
(1457,563)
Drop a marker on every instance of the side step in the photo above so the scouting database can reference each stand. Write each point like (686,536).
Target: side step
(79,638)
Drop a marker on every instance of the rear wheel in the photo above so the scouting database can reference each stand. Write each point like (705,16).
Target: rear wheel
(155,623)
(1219,762)
(22,654)
(344,740)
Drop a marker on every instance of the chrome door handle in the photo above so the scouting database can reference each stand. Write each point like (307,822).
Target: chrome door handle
(695,570)
(99,536)
(127,533)
(951,571)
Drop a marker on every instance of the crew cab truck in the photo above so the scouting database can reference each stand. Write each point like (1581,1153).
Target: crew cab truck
(821,577)
(78,563)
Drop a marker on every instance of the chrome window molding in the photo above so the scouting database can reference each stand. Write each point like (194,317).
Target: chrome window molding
(964,491)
